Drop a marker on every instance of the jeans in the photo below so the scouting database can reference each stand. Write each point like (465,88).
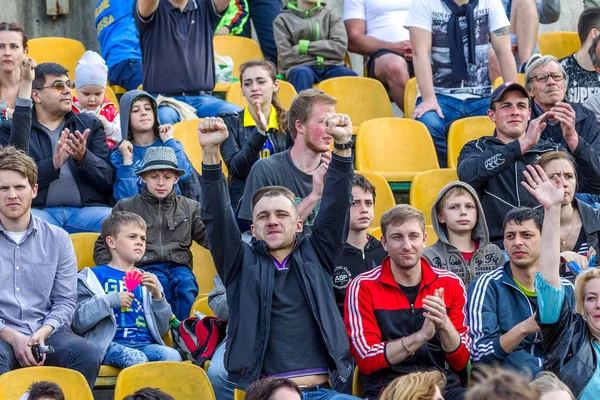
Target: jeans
(123,355)
(217,374)
(74,219)
(305,76)
(205,105)
(453,109)
(70,351)
(179,285)
(263,13)
(127,73)
(326,394)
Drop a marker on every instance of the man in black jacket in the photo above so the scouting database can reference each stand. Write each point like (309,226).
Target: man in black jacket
(283,319)
(75,176)
(494,165)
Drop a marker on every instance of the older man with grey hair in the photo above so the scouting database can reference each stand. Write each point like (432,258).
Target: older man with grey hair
(572,125)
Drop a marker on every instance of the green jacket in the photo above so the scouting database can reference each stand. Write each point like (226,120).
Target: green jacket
(235,17)
(314,37)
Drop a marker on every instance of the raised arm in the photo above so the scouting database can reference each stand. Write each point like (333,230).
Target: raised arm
(549,193)
(146,8)
(21,121)
(224,236)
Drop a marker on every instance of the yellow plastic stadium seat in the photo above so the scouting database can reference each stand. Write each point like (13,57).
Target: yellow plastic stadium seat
(118,89)
(357,384)
(464,130)
(187,133)
(558,44)
(183,381)
(110,94)
(201,305)
(361,98)
(84,248)
(410,97)
(375,232)
(204,269)
(384,197)
(238,394)
(284,96)
(498,81)
(239,48)
(431,236)
(426,186)
(107,377)
(396,148)
(15,383)
(63,51)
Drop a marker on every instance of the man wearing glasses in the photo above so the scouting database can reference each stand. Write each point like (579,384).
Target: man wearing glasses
(494,165)
(75,175)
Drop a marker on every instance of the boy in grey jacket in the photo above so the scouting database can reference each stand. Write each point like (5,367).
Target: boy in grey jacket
(463,245)
(121,309)
(312,43)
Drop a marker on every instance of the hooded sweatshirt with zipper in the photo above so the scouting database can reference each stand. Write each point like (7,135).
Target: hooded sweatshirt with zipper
(444,255)
(94,318)
(127,183)
(314,37)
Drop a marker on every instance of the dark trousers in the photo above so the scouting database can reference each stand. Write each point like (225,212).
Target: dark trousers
(179,286)
(70,351)
(263,13)
(304,77)
(127,73)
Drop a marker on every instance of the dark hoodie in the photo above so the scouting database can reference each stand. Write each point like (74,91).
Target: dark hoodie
(351,262)
(127,183)
(445,256)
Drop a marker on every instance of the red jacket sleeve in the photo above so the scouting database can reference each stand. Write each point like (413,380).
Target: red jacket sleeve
(361,325)
(457,313)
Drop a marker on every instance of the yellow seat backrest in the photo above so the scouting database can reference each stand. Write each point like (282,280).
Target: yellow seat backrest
(84,248)
(201,305)
(285,95)
(558,44)
(63,51)
(16,383)
(183,381)
(187,133)
(239,48)
(410,97)
(431,236)
(396,148)
(238,394)
(357,384)
(498,81)
(361,98)
(204,268)
(426,186)
(384,197)
(110,94)
(464,130)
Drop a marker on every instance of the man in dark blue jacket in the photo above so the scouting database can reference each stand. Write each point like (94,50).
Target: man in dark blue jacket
(75,176)
(283,319)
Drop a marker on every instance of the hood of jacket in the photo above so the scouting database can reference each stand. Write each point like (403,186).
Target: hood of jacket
(292,7)
(126,103)
(480,232)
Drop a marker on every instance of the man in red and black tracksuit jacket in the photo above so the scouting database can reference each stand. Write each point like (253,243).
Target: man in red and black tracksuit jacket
(405,315)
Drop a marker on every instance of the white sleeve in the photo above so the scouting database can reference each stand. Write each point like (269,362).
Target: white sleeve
(497,17)
(354,9)
(420,15)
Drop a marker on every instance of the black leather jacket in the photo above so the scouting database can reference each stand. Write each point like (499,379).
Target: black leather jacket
(568,349)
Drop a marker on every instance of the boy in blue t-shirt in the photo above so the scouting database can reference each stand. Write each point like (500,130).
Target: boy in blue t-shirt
(125,320)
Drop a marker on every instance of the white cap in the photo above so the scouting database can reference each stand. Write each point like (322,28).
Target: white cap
(91,70)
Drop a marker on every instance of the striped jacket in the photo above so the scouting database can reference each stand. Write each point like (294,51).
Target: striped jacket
(378,312)
(495,306)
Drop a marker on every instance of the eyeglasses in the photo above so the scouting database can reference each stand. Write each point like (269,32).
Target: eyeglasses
(556,76)
(59,86)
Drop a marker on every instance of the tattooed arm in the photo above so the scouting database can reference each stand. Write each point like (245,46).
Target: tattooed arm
(500,40)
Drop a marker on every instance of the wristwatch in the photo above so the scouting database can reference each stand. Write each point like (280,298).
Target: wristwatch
(345,146)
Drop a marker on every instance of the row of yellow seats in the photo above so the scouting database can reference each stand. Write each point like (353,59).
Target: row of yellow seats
(184,381)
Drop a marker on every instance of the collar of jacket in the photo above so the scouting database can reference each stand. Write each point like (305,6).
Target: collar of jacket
(293,6)
(427,278)
(68,118)
(152,199)
(589,218)
(261,246)
(371,240)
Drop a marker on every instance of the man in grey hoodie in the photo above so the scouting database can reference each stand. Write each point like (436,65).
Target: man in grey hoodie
(463,246)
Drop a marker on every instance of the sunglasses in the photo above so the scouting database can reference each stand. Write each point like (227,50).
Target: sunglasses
(59,86)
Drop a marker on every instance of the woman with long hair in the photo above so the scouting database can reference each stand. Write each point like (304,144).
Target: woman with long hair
(13,48)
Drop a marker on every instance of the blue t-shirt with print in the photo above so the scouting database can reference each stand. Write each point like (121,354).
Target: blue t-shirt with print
(117,33)
(131,323)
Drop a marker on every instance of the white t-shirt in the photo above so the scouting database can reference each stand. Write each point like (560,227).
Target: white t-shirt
(384,18)
(434,16)
(16,236)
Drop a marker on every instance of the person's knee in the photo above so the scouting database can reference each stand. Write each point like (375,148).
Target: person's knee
(170,354)
(395,71)
(168,115)
(135,357)
(434,123)
(303,71)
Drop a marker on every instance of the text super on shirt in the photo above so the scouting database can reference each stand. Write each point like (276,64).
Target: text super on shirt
(583,84)
(131,322)
(434,16)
